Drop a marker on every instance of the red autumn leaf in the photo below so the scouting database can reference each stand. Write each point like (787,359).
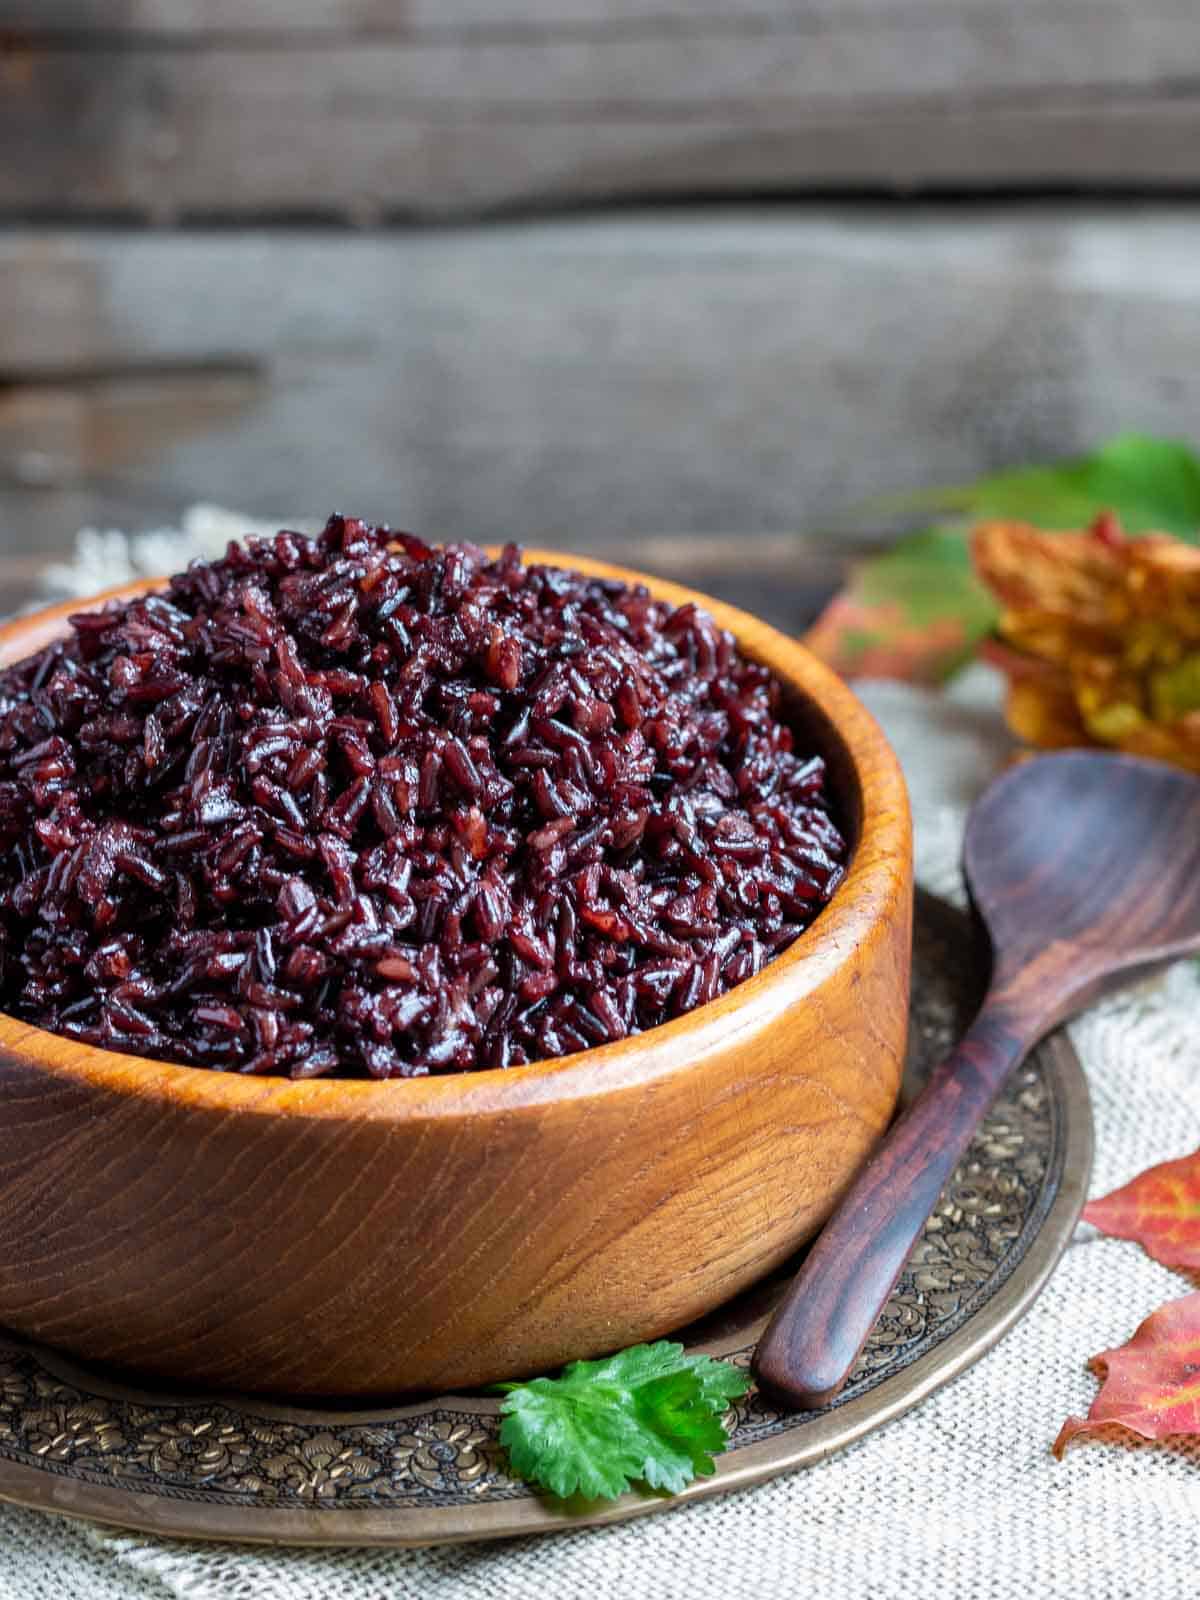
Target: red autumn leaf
(1160,1209)
(877,641)
(916,612)
(1150,1386)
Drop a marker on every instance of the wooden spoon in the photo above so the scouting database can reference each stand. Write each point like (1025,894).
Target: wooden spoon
(1084,868)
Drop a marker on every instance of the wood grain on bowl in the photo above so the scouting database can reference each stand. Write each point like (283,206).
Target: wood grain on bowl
(350,1237)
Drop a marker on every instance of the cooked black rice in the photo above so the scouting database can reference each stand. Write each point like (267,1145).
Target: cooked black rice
(356,805)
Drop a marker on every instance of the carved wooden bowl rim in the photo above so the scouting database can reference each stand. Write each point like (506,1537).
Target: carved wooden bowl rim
(874,891)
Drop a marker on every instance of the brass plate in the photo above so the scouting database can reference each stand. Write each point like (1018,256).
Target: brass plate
(84,1442)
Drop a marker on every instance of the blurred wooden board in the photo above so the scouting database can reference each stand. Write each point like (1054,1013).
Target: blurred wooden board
(586,383)
(364,110)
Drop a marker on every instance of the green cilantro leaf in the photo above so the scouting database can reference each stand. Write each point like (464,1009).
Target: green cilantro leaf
(650,1413)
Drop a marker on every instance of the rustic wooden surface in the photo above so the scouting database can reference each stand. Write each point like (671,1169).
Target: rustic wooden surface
(1075,912)
(355,1237)
(164,109)
(595,383)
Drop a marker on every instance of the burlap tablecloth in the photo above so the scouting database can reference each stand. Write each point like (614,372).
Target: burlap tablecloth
(960,1497)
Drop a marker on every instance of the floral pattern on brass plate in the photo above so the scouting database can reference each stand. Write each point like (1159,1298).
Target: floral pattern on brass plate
(446,1452)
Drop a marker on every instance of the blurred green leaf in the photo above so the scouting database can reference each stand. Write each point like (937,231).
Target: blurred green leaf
(918,612)
(1150,484)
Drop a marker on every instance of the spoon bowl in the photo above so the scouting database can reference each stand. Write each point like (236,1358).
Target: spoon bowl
(1084,868)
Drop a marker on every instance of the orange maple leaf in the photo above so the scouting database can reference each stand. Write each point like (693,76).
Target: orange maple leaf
(1150,1386)
(1160,1209)
(1100,636)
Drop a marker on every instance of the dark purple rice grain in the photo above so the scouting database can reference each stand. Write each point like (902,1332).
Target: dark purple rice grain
(358,806)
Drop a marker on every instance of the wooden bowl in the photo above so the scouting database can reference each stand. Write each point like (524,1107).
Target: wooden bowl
(353,1238)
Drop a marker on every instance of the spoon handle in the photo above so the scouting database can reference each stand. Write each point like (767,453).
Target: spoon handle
(814,1338)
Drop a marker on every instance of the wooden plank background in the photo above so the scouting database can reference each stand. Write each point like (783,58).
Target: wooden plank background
(185,315)
(167,109)
(585,382)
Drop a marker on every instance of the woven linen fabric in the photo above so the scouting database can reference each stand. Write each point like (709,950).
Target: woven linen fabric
(959,1497)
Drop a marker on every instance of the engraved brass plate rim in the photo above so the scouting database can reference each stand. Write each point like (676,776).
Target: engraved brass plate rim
(87,1444)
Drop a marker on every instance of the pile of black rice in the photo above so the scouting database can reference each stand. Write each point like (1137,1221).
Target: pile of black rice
(356,805)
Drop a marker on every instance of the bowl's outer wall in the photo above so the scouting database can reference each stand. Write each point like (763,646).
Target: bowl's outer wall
(360,1238)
